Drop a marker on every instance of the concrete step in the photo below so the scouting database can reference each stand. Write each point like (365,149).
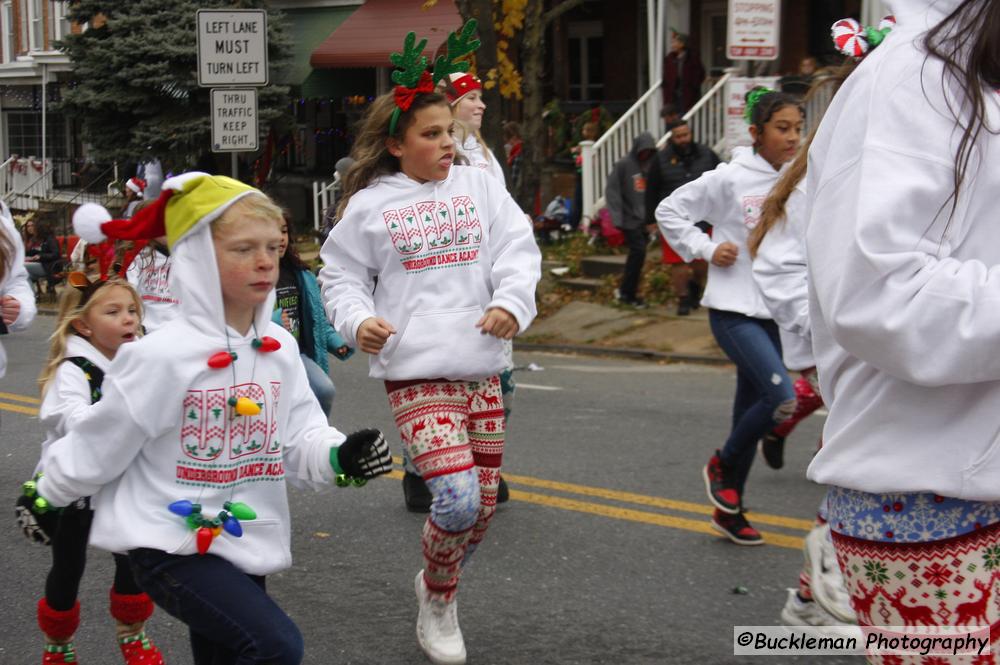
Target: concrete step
(598,266)
(582,283)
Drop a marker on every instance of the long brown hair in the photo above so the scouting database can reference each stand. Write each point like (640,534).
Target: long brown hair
(371,156)
(774,210)
(967,41)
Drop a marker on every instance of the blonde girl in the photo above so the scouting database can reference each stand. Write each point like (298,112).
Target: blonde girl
(95,320)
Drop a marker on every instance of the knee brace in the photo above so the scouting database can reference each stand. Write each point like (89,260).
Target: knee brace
(456,500)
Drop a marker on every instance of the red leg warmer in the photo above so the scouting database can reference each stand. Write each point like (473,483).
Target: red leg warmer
(130,608)
(58,624)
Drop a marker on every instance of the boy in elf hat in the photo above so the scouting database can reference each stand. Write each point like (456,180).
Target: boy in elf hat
(189,478)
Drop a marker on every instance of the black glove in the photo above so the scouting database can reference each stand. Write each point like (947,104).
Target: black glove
(365,454)
(38,527)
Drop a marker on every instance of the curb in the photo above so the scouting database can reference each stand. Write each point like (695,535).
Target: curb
(635,354)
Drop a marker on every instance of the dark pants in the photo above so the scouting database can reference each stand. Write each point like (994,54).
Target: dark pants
(69,558)
(764,393)
(231,618)
(636,239)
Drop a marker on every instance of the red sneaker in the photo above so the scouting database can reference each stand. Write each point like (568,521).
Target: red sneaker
(138,650)
(721,486)
(736,528)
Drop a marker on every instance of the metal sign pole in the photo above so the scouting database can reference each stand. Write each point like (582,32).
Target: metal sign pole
(236,173)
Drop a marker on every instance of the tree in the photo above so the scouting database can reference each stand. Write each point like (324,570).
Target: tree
(135,79)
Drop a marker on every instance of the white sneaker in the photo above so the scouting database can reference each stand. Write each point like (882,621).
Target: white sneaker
(809,613)
(437,627)
(825,579)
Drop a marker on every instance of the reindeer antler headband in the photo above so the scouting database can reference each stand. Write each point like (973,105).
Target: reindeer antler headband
(411,75)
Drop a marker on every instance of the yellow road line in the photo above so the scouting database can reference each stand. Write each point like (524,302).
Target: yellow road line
(628,514)
(17,408)
(646,500)
(20,398)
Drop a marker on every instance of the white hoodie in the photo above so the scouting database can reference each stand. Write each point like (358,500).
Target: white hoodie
(67,397)
(16,283)
(161,432)
(905,305)
(475,152)
(729,198)
(444,251)
(150,275)
(780,272)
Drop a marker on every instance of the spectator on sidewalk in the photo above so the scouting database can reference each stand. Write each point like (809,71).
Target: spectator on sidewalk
(681,161)
(41,253)
(513,144)
(626,200)
(683,74)
(670,116)
(800,82)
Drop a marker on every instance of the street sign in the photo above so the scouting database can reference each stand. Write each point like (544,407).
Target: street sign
(737,132)
(232,47)
(234,120)
(754,27)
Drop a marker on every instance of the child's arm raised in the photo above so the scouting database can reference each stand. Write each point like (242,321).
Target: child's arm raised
(517,264)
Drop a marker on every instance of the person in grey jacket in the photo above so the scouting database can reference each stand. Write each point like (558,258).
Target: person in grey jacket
(626,200)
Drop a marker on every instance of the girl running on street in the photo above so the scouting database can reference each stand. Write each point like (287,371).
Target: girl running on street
(730,198)
(456,268)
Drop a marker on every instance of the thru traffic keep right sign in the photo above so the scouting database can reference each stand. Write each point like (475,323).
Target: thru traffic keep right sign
(234,119)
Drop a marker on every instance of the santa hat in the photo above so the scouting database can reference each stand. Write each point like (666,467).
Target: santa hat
(136,185)
(187,201)
(459,85)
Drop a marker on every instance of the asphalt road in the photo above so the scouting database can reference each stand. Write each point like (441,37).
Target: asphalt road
(603,555)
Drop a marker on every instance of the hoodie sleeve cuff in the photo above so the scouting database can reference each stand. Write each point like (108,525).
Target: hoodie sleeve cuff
(708,251)
(522,317)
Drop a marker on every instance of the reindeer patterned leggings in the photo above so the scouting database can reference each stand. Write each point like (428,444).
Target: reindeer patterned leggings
(454,433)
(919,560)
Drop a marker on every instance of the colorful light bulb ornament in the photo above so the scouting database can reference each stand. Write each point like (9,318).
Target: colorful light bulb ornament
(412,77)
(855,40)
(207,530)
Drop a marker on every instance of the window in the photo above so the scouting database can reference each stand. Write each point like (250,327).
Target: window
(586,61)
(9,34)
(22,24)
(24,133)
(59,25)
(36,19)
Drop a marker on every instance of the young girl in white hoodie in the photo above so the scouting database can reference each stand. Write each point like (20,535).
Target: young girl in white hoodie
(197,466)
(456,269)
(17,298)
(903,262)
(94,321)
(730,198)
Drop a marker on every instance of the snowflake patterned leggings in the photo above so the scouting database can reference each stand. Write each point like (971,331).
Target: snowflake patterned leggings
(898,577)
(454,432)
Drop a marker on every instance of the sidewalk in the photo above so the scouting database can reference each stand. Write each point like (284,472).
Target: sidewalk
(653,333)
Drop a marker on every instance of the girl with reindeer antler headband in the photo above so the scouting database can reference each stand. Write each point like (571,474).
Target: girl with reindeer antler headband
(457,268)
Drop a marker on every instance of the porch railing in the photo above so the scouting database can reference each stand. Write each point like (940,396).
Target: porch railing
(323,198)
(707,120)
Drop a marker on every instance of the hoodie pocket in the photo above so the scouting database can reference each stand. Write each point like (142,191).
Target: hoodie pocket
(444,343)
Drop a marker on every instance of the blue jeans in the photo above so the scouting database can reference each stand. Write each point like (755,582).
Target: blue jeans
(764,393)
(232,620)
(320,383)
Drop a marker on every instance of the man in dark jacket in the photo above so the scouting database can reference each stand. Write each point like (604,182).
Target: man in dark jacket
(626,201)
(681,161)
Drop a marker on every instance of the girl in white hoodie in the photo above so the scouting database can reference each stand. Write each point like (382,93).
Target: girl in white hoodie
(17,299)
(903,258)
(94,321)
(456,268)
(730,198)
(198,465)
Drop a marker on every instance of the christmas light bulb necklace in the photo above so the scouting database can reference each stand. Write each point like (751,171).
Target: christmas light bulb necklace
(228,519)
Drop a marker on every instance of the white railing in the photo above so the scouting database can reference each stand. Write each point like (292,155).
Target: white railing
(6,177)
(707,120)
(28,197)
(323,197)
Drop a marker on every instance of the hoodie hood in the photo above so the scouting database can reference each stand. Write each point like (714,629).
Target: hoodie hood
(747,158)
(194,280)
(921,14)
(644,141)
